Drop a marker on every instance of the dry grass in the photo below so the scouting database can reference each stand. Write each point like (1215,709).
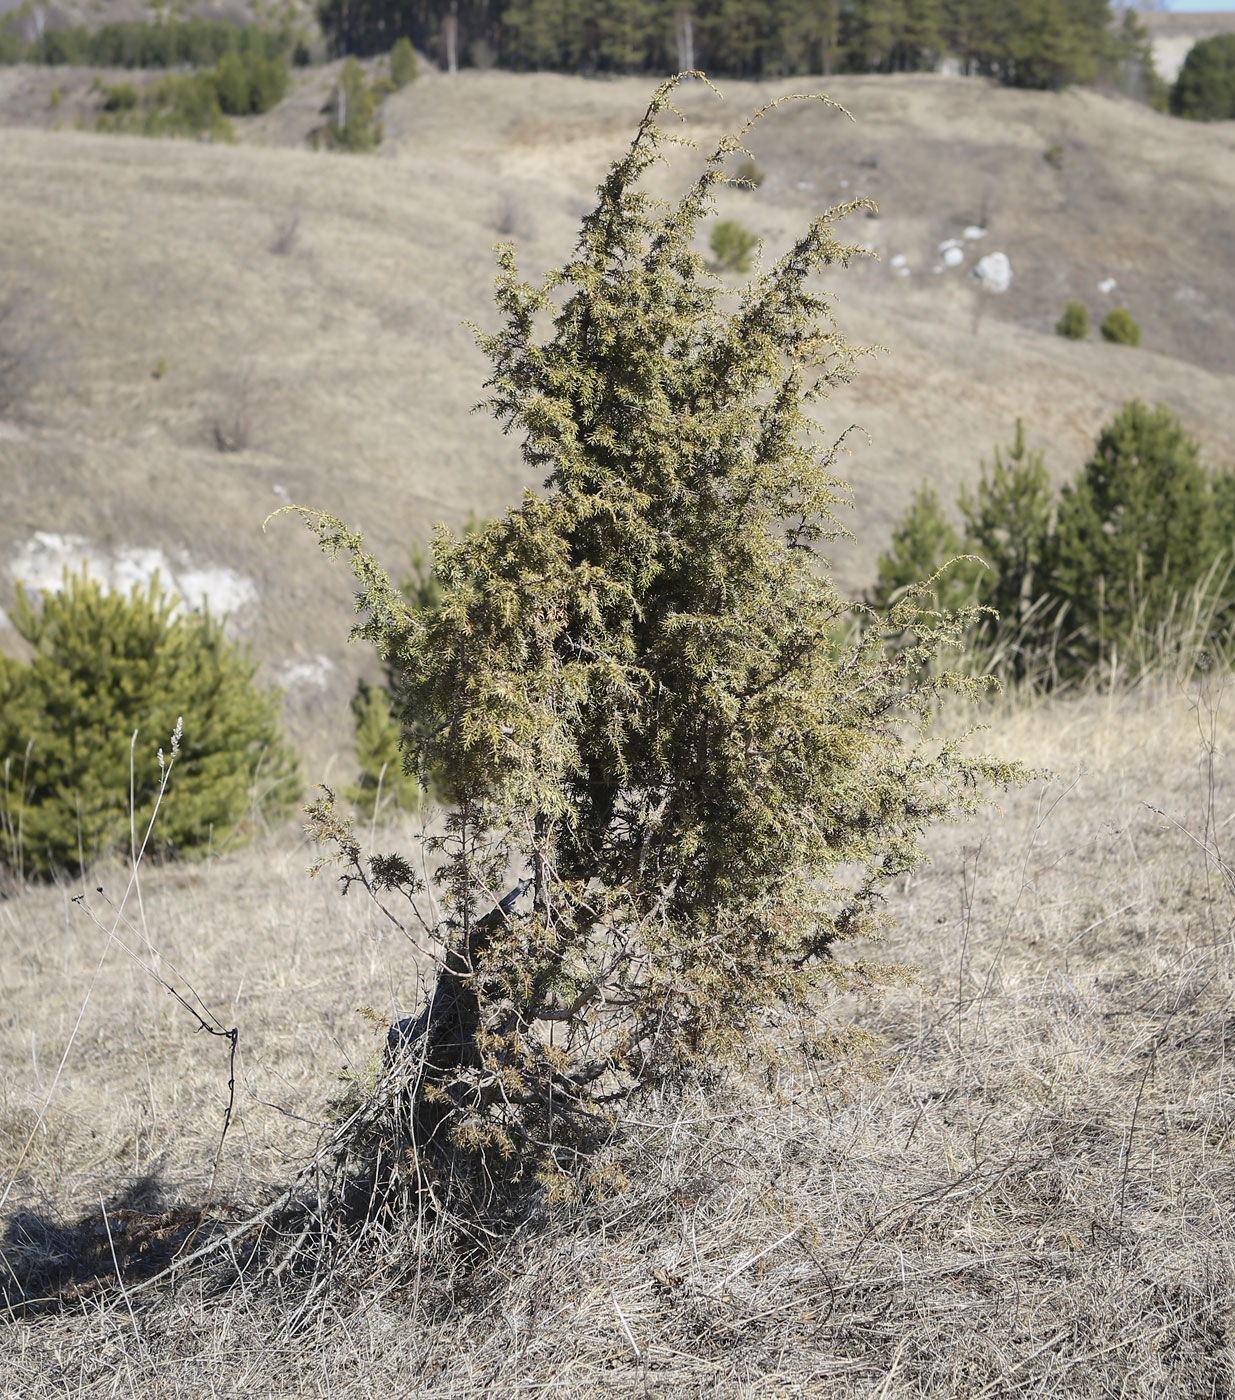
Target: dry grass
(1032,1198)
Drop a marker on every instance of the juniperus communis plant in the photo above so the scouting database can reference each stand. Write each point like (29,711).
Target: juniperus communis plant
(106,665)
(655,733)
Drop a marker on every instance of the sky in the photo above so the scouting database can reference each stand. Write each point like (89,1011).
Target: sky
(1196,6)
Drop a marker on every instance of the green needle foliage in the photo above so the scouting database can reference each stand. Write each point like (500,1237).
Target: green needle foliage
(105,665)
(352,123)
(640,690)
(925,558)
(1135,530)
(1007,522)
(403,63)
(383,781)
(1119,328)
(1074,323)
(732,246)
(1205,87)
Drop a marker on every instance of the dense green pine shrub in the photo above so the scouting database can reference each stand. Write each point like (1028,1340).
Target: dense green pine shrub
(384,783)
(1074,323)
(250,83)
(1205,87)
(1132,560)
(996,563)
(184,105)
(105,665)
(1135,532)
(634,688)
(1007,522)
(231,81)
(1119,328)
(120,97)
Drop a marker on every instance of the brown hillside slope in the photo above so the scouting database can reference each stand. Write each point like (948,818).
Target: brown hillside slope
(306,309)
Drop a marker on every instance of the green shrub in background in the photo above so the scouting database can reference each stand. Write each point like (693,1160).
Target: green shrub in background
(925,543)
(120,97)
(1135,532)
(403,65)
(1132,560)
(1205,87)
(732,246)
(1119,327)
(249,84)
(185,105)
(383,783)
(231,81)
(105,665)
(351,113)
(1007,523)
(166,43)
(1074,323)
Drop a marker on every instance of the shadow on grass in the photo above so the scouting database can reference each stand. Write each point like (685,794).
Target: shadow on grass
(47,1263)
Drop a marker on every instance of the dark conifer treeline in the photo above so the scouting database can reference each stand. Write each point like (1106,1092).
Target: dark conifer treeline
(1027,43)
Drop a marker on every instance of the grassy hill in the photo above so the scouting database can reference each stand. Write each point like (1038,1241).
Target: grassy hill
(306,311)
(1030,1192)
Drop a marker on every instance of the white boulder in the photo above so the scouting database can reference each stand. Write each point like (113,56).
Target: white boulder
(994,272)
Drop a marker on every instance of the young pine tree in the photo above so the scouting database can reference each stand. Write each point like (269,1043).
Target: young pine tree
(1135,533)
(644,703)
(925,560)
(103,666)
(1008,524)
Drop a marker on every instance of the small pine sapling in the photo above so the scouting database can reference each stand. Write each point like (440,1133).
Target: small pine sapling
(1074,323)
(1007,524)
(1118,327)
(1135,532)
(925,560)
(103,666)
(732,247)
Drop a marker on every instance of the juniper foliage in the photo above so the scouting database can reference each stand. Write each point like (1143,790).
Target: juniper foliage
(640,693)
